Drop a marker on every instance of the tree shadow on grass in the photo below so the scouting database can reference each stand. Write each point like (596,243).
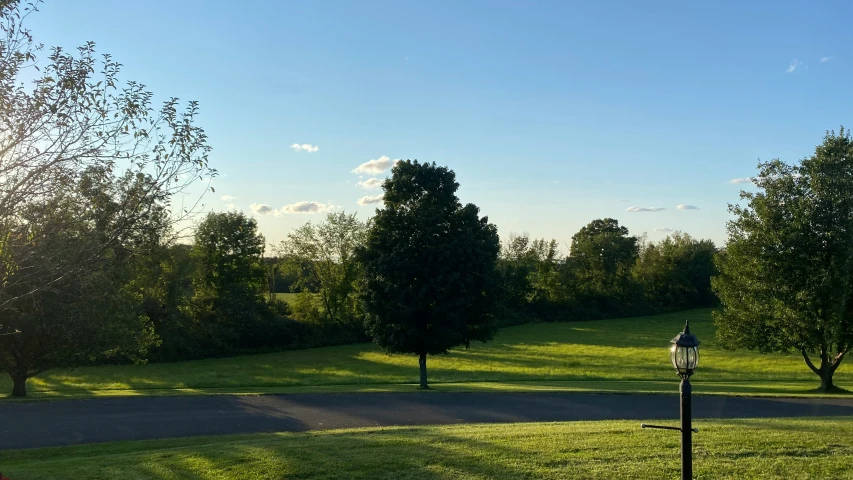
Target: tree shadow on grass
(377,454)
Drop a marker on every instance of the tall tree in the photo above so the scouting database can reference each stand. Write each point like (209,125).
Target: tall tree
(85,315)
(786,279)
(68,117)
(230,280)
(328,251)
(429,266)
(602,255)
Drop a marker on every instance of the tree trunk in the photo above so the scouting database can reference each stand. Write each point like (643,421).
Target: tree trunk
(19,385)
(422,363)
(827,368)
(826,382)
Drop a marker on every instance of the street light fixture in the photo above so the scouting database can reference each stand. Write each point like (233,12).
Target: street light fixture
(685,358)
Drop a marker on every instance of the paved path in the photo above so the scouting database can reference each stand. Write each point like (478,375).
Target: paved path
(68,422)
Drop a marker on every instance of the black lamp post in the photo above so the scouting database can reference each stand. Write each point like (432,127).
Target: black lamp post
(685,357)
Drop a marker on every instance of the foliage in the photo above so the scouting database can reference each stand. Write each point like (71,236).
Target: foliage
(229,282)
(429,266)
(72,117)
(785,281)
(602,255)
(305,308)
(89,167)
(77,318)
(328,252)
(676,272)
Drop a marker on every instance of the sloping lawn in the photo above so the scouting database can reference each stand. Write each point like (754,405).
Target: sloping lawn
(607,355)
(736,449)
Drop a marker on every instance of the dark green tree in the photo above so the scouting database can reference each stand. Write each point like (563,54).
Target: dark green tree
(676,272)
(230,280)
(785,281)
(429,266)
(84,315)
(600,261)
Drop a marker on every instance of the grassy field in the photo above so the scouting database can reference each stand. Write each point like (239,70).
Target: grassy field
(737,449)
(625,355)
(287,297)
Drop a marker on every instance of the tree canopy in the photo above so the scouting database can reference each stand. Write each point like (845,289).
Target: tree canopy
(429,266)
(785,280)
(230,278)
(324,255)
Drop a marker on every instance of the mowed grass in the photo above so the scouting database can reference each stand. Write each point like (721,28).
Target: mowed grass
(288,297)
(737,449)
(624,355)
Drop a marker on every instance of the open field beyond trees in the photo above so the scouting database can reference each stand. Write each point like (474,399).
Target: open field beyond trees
(290,297)
(624,355)
(742,449)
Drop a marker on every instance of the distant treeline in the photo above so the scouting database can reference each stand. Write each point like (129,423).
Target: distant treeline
(217,296)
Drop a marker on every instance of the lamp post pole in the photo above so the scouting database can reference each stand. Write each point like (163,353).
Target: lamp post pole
(686,430)
(685,357)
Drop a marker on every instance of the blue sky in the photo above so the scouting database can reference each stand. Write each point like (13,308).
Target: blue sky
(551,113)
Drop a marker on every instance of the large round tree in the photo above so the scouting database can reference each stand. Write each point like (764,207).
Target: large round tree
(429,266)
(786,279)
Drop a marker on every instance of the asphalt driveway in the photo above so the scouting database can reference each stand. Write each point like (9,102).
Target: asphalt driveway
(69,422)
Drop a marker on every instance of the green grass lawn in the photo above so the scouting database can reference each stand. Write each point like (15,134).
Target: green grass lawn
(737,449)
(291,297)
(625,355)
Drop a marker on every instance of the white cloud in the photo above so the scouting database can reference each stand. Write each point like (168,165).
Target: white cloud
(228,198)
(793,65)
(378,165)
(370,183)
(307,207)
(230,207)
(665,229)
(370,200)
(687,207)
(740,180)
(644,209)
(825,59)
(305,147)
(261,209)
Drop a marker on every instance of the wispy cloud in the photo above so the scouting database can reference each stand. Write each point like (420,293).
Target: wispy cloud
(227,198)
(370,200)
(378,165)
(740,180)
(665,229)
(370,183)
(793,65)
(644,209)
(687,207)
(230,207)
(305,147)
(261,209)
(307,207)
(825,59)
